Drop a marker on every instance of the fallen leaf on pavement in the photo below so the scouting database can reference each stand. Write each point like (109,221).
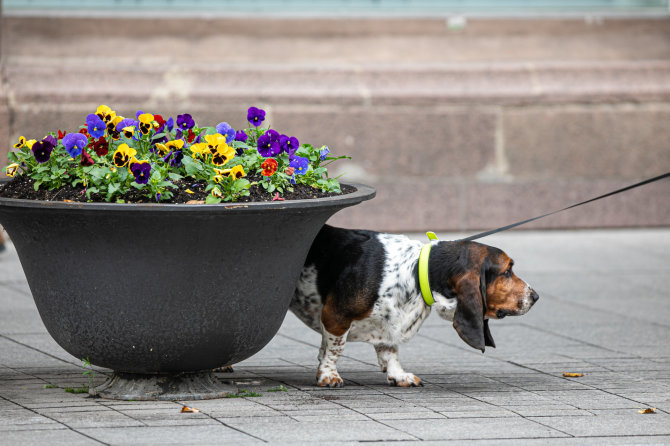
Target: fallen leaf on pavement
(573,375)
(647,410)
(187,409)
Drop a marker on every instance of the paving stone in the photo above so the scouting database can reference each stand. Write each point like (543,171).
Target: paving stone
(52,436)
(494,428)
(611,425)
(166,435)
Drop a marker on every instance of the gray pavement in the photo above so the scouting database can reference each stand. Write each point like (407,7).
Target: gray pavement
(604,311)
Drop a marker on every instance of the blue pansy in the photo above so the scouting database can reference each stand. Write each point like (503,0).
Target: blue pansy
(226,130)
(74,143)
(96,126)
(300,165)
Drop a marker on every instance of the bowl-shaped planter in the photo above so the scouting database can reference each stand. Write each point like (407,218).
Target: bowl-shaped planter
(165,290)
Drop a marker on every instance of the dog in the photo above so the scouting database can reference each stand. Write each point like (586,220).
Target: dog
(359,285)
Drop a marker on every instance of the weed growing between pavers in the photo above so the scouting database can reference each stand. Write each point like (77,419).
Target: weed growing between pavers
(243,393)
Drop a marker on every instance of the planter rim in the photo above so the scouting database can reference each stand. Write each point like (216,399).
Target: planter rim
(362,193)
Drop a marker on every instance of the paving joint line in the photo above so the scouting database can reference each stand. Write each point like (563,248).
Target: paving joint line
(56,421)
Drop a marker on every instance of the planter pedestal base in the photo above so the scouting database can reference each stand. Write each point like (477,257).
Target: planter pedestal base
(164,387)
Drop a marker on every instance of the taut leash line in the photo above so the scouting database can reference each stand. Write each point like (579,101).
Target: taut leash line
(600,197)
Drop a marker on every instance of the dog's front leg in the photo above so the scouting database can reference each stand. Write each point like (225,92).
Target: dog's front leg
(331,349)
(387,356)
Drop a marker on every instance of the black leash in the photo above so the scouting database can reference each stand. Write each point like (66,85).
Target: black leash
(609,194)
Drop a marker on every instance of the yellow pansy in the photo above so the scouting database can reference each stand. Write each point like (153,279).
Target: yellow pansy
(162,150)
(175,144)
(236,172)
(11,169)
(111,127)
(105,113)
(123,154)
(21,143)
(216,192)
(214,140)
(30,143)
(128,131)
(199,149)
(145,122)
(222,153)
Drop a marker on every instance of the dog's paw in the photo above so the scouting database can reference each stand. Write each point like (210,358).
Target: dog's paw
(405,380)
(329,379)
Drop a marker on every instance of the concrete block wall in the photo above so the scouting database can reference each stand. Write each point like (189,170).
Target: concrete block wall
(464,130)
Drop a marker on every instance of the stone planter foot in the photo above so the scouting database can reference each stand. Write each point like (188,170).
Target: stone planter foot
(163,387)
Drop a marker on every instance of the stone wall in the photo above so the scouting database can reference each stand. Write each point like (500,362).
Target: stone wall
(458,130)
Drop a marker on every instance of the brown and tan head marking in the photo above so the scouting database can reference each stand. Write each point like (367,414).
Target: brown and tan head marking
(481,279)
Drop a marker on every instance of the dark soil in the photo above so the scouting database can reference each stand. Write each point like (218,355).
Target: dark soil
(22,187)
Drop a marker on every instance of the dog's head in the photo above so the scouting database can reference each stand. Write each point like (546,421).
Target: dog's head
(482,281)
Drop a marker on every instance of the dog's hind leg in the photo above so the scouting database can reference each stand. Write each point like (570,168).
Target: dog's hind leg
(331,349)
(387,356)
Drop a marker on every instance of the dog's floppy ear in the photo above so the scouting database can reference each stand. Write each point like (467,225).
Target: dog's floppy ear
(469,315)
(469,319)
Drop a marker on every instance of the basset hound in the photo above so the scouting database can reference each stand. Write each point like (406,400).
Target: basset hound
(365,286)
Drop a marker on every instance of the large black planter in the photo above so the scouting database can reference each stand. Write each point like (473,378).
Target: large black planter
(165,289)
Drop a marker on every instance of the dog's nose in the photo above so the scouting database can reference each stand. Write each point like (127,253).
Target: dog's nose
(534,296)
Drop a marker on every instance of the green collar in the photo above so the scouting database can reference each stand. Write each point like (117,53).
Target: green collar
(424,284)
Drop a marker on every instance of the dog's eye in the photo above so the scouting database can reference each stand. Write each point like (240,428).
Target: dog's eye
(507,273)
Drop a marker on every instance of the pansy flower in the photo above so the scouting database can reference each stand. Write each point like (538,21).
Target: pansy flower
(268,144)
(169,124)
(20,143)
(185,122)
(255,116)
(214,140)
(146,120)
(159,123)
(52,139)
(174,158)
(84,132)
(30,143)
(12,169)
(141,170)
(96,126)
(61,134)
(123,154)
(226,130)
(111,127)
(289,144)
(241,136)
(101,147)
(128,132)
(222,154)
(105,113)
(125,122)
(42,151)
(86,159)
(236,172)
(269,167)
(74,143)
(216,192)
(324,153)
(300,165)
(200,149)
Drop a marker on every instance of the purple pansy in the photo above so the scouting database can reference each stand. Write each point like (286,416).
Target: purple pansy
(185,122)
(300,165)
(74,143)
(127,122)
(139,112)
(42,150)
(324,153)
(52,139)
(268,144)
(174,158)
(226,130)
(241,135)
(170,124)
(141,172)
(96,126)
(289,144)
(255,116)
